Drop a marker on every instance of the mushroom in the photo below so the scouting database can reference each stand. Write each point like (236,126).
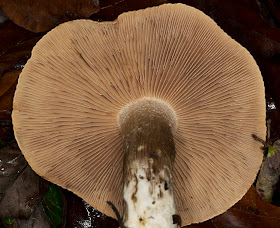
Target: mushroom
(101,108)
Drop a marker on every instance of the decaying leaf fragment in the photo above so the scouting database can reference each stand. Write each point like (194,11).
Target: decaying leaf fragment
(40,15)
(19,185)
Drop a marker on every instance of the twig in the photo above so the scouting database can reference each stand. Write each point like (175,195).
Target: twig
(117,214)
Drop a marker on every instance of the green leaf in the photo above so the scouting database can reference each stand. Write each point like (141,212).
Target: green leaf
(8,221)
(271,151)
(53,204)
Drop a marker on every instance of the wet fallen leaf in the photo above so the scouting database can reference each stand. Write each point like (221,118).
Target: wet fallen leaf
(36,220)
(40,15)
(20,190)
(12,163)
(18,182)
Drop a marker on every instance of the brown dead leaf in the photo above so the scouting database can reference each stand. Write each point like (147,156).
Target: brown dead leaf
(12,35)
(20,190)
(19,184)
(7,80)
(15,48)
(41,15)
(8,84)
(37,219)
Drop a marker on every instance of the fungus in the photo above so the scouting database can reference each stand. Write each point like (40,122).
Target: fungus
(101,108)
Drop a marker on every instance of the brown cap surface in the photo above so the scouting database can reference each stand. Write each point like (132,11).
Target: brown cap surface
(82,73)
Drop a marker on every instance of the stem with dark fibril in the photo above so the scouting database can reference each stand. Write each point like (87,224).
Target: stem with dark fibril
(149,154)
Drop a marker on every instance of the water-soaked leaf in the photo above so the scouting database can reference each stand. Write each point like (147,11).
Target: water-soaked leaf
(20,190)
(12,164)
(36,220)
(19,184)
(41,15)
(53,204)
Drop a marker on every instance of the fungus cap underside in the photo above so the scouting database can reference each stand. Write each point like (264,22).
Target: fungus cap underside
(82,73)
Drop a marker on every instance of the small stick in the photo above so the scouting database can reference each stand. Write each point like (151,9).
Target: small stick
(259,140)
(117,214)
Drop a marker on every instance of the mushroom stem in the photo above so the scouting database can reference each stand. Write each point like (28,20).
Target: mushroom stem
(149,154)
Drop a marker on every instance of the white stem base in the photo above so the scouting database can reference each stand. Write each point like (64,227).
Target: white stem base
(149,198)
(149,154)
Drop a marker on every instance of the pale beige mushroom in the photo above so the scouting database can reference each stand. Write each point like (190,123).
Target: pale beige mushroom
(93,90)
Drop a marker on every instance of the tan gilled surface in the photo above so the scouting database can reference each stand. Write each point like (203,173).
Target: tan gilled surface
(83,72)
